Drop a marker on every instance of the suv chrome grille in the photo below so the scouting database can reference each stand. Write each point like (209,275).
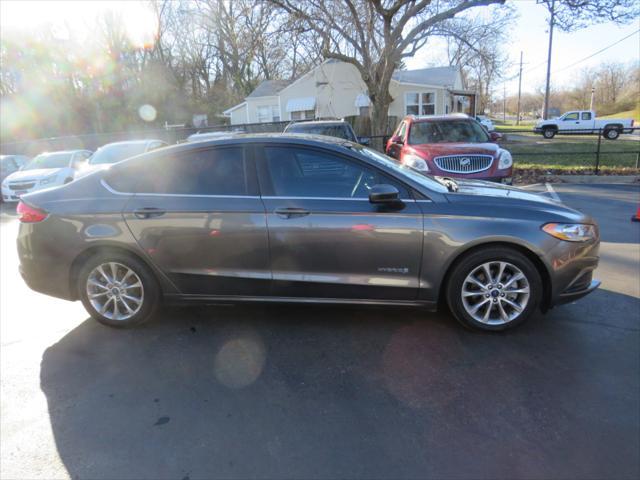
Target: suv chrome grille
(464,163)
(22,186)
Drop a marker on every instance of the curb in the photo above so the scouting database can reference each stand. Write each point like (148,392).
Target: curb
(604,179)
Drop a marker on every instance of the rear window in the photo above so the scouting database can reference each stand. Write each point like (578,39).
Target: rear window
(339,131)
(457,131)
(218,171)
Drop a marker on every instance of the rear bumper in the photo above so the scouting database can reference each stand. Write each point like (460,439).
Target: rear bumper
(41,281)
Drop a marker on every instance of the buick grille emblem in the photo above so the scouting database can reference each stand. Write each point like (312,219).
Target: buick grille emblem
(465,162)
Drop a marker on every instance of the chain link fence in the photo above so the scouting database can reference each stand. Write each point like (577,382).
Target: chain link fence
(583,149)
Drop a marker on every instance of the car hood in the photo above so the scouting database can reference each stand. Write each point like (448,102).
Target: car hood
(491,189)
(433,150)
(512,199)
(32,174)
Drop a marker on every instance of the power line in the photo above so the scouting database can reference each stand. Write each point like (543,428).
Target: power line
(598,52)
(527,70)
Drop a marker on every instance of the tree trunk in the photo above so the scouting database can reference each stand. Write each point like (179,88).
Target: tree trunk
(380,101)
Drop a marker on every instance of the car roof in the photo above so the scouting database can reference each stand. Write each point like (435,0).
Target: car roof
(69,152)
(249,138)
(320,122)
(133,142)
(437,118)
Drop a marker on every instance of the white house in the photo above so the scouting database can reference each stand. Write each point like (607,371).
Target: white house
(335,89)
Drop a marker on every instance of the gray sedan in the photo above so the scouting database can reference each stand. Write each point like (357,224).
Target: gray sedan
(307,219)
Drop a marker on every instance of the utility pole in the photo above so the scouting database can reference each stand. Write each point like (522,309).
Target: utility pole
(504,103)
(519,90)
(593,91)
(545,112)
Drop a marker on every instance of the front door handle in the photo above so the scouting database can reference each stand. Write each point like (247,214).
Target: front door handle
(148,212)
(290,212)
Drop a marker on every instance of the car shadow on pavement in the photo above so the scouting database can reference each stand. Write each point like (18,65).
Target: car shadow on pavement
(328,392)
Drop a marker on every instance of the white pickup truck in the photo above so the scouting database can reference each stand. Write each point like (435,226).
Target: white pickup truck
(582,122)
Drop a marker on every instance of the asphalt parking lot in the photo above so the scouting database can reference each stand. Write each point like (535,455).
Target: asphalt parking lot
(328,392)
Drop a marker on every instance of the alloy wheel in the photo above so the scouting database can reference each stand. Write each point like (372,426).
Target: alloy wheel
(495,293)
(115,291)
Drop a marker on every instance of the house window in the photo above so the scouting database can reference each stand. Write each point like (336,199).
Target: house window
(303,115)
(420,103)
(268,113)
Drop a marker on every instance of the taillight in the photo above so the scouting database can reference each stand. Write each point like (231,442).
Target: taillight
(29,214)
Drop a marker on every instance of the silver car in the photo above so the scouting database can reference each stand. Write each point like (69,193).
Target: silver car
(305,219)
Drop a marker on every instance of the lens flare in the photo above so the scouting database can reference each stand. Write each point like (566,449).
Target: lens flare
(147,113)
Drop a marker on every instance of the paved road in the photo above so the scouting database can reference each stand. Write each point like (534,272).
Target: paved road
(327,392)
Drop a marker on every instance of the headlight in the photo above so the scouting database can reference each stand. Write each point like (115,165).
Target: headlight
(505,159)
(414,161)
(49,179)
(571,232)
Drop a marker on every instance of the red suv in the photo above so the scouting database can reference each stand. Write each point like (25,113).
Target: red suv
(450,146)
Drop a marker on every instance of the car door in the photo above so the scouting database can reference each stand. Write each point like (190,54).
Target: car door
(198,217)
(395,148)
(571,122)
(326,239)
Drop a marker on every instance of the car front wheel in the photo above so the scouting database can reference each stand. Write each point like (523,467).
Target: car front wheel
(118,290)
(548,133)
(494,289)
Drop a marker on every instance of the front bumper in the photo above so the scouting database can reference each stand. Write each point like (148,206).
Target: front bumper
(572,295)
(9,195)
(572,266)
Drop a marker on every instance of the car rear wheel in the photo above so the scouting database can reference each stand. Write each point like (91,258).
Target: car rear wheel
(549,133)
(118,290)
(494,289)
(611,134)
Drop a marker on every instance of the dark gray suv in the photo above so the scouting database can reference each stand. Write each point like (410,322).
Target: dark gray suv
(300,219)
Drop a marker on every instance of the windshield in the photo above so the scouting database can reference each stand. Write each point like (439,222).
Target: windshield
(425,180)
(457,131)
(49,160)
(339,131)
(115,153)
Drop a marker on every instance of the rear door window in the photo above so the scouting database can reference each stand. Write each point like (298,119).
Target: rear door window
(220,171)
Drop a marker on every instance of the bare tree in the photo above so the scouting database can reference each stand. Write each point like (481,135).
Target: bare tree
(570,15)
(375,36)
(475,45)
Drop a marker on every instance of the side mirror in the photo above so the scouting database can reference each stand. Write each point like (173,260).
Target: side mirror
(363,140)
(495,136)
(397,139)
(384,194)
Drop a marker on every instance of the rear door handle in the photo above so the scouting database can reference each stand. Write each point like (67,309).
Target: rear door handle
(148,212)
(290,212)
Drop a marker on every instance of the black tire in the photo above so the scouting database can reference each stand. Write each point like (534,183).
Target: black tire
(150,299)
(468,263)
(611,133)
(549,133)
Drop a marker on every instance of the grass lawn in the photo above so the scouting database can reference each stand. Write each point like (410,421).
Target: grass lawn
(519,128)
(635,114)
(574,152)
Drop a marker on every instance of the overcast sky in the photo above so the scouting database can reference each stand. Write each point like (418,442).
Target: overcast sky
(530,36)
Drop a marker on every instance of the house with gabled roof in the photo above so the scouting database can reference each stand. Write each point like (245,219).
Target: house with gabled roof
(334,89)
